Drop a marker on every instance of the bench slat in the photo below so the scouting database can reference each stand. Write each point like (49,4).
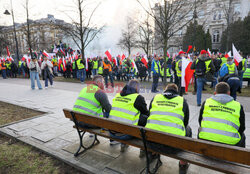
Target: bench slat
(197,159)
(209,149)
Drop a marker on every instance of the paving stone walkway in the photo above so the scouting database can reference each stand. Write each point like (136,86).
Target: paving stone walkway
(54,134)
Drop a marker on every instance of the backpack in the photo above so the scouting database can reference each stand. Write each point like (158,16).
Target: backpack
(223,70)
(200,69)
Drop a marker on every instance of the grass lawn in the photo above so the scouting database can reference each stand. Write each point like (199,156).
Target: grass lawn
(17,157)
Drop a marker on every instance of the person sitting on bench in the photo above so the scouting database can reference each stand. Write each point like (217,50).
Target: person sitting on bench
(222,119)
(169,113)
(129,107)
(93,100)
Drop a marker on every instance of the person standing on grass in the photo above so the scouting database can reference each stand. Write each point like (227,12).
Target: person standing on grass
(34,73)
(47,71)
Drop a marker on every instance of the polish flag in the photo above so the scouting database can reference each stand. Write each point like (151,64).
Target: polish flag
(45,53)
(209,52)
(134,65)
(86,64)
(123,57)
(108,55)
(229,54)
(189,48)
(59,63)
(186,73)
(8,52)
(144,60)
(62,52)
(168,54)
(114,61)
(237,56)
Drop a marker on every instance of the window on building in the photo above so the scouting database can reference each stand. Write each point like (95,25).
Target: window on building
(219,16)
(215,15)
(216,36)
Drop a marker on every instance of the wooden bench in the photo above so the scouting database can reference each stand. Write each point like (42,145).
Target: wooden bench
(219,157)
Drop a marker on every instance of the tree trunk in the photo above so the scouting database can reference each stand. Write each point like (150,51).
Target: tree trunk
(165,62)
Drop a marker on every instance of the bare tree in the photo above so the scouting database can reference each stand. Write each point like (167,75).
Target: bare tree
(4,41)
(170,17)
(227,8)
(145,36)
(83,31)
(128,38)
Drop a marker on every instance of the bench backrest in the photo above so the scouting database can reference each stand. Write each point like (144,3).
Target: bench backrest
(210,149)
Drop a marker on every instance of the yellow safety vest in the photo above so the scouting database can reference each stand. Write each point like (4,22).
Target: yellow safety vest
(79,64)
(246,74)
(156,67)
(223,61)
(100,70)
(243,64)
(231,68)
(95,66)
(123,109)
(220,122)
(167,115)
(87,103)
(178,71)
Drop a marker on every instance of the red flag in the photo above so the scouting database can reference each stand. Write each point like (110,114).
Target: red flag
(168,54)
(62,51)
(123,57)
(237,56)
(23,59)
(115,61)
(208,52)
(144,61)
(8,52)
(189,48)
(108,55)
(188,75)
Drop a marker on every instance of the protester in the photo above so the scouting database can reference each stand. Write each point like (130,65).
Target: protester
(129,107)
(34,73)
(107,69)
(222,119)
(156,69)
(81,73)
(47,71)
(202,66)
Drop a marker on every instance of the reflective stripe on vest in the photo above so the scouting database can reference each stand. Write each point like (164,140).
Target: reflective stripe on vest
(220,122)
(231,68)
(100,70)
(123,109)
(167,115)
(168,124)
(79,64)
(87,103)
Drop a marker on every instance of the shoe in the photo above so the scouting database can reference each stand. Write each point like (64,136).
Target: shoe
(199,105)
(194,93)
(183,168)
(40,88)
(46,87)
(112,142)
(123,147)
(52,86)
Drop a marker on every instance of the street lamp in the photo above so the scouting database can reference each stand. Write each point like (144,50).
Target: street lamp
(8,13)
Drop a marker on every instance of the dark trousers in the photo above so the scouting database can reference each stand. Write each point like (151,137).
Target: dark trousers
(4,73)
(110,78)
(181,89)
(155,82)
(234,86)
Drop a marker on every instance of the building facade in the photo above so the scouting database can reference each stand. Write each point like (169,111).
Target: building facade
(213,16)
(43,33)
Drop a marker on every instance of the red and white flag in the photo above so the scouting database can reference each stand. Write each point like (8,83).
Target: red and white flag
(209,52)
(134,65)
(61,50)
(86,64)
(123,57)
(8,52)
(55,50)
(45,53)
(186,73)
(108,55)
(237,56)
(168,54)
(144,60)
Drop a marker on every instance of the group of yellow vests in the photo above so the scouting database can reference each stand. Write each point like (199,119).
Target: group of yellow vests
(220,121)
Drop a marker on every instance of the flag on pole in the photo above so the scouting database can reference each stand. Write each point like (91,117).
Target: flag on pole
(144,60)
(45,53)
(8,52)
(186,73)
(168,54)
(61,50)
(209,52)
(55,50)
(86,64)
(108,55)
(134,65)
(189,48)
(237,56)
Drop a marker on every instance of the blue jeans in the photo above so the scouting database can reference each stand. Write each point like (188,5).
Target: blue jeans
(234,86)
(121,137)
(35,76)
(4,73)
(155,82)
(81,73)
(200,83)
(111,79)
(94,72)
